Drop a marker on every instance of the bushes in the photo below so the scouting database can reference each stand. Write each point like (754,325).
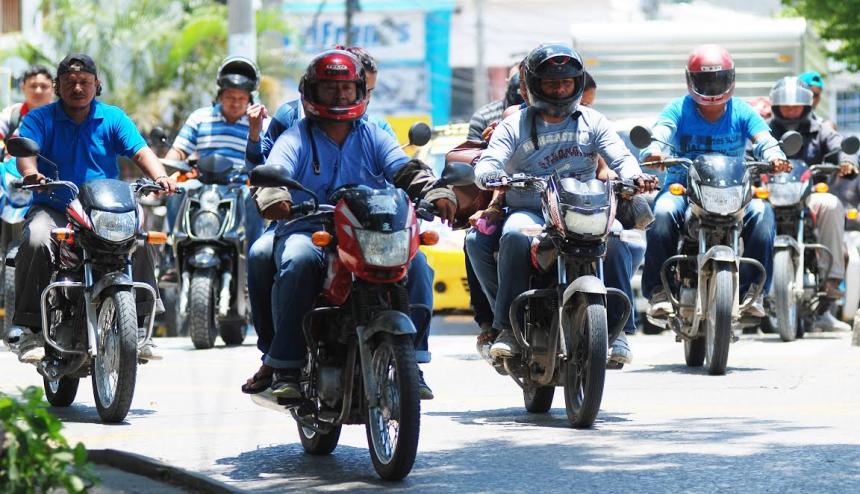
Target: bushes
(34,455)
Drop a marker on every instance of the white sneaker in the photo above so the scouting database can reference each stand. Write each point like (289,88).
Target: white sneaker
(31,347)
(661,307)
(620,351)
(146,352)
(828,322)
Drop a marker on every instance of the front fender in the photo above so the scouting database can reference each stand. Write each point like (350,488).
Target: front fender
(584,284)
(116,278)
(390,321)
(718,253)
(786,242)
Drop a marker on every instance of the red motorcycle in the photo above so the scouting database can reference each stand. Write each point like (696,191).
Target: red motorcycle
(361,366)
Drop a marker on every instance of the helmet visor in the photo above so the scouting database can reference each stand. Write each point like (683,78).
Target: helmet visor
(712,83)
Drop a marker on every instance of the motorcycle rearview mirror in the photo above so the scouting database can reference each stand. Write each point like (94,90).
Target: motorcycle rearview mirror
(21,147)
(458,173)
(850,145)
(641,137)
(791,142)
(419,134)
(158,135)
(175,165)
(273,176)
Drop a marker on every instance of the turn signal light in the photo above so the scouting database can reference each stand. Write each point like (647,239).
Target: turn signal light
(677,189)
(321,239)
(430,237)
(851,214)
(156,238)
(822,188)
(762,192)
(63,235)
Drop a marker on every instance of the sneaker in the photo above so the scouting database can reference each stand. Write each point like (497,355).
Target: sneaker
(831,289)
(661,307)
(13,335)
(285,384)
(620,352)
(423,389)
(755,309)
(829,322)
(31,347)
(485,339)
(147,351)
(505,346)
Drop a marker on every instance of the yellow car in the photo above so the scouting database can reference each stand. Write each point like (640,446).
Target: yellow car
(450,288)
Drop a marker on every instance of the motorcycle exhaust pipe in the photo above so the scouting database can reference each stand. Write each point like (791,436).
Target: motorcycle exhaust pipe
(224,296)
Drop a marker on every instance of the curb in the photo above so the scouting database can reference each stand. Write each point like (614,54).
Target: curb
(160,471)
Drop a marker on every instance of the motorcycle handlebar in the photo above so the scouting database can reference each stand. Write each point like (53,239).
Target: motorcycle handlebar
(668,162)
(51,184)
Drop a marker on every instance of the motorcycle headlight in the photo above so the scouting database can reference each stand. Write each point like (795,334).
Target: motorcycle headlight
(586,224)
(785,194)
(18,197)
(209,200)
(385,250)
(725,201)
(114,227)
(207,225)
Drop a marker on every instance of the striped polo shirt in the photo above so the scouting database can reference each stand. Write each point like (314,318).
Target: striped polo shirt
(207,132)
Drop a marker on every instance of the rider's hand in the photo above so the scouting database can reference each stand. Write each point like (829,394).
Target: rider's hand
(447,210)
(256,114)
(605,174)
(646,183)
(488,132)
(780,165)
(651,158)
(846,169)
(277,211)
(167,183)
(34,179)
(492,215)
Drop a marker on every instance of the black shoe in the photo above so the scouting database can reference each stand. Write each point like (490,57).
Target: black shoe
(285,384)
(424,390)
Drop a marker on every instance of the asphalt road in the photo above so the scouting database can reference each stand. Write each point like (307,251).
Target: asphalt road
(784,419)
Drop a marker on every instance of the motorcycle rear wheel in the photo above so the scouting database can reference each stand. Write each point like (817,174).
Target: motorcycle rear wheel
(317,443)
(114,370)
(201,309)
(719,321)
(585,372)
(393,427)
(232,332)
(538,399)
(694,352)
(62,392)
(8,296)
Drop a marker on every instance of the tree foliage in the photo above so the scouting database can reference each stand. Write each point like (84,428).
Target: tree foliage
(834,21)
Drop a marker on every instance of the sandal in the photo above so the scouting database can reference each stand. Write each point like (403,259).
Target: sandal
(260,381)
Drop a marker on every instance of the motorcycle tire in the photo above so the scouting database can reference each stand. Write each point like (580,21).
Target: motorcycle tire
(61,393)
(694,352)
(394,357)
(114,371)
(317,443)
(201,309)
(232,332)
(538,399)
(719,322)
(785,303)
(585,372)
(8,296)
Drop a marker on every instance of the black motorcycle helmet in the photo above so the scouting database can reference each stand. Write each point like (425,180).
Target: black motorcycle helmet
(790,91)
(238,73)
(554,61)
(512,93)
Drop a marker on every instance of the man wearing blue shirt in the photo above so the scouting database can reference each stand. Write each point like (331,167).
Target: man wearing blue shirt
(708,120)
(84,137)
(333,146)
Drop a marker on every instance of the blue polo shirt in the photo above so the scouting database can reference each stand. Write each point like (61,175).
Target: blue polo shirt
(85,151)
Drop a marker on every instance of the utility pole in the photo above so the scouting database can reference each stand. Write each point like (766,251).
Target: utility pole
(352,6)
(479,89)
(242,38)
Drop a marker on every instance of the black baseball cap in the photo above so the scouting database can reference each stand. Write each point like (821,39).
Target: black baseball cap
(77,62)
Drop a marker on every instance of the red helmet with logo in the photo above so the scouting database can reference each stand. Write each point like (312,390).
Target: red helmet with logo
(710,75)
(334,66)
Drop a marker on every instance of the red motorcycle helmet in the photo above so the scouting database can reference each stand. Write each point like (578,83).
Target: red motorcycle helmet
(710,75)
(335,66)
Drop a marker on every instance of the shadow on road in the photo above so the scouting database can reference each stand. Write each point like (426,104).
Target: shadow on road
(88,414)
(683,369)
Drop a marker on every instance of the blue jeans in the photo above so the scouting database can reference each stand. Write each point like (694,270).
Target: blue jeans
(759,232)
(300,272)
(480,303)
(504,281)
(261,276)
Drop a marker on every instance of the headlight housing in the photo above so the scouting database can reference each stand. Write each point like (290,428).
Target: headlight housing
(207,225)
(209,199)
(722,200)
(114,227)
(385,250)
(785,194)
(586,224)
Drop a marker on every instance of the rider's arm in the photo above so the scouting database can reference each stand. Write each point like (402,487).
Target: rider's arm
(502,145)
(831,140)
(285,117)
(285,153)
(33,128)
(664,130)
(612,148)
(766,147)
(186,141)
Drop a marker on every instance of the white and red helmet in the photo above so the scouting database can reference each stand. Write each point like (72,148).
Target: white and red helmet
(334,65)
(710,75)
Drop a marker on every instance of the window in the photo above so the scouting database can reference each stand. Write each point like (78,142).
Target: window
(10,16)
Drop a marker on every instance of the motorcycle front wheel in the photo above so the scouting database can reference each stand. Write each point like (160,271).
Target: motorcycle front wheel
(115,367)
(586,370)
(785,302)
(201,309)
(719,321)
(393,426)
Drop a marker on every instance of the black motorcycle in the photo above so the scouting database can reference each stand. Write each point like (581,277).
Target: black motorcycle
(89,310)
(704,284)
(560,322)
(209,250)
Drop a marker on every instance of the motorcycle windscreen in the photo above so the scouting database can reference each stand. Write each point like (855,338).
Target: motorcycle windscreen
(383,210)
(787,189)
(716,170)
(114,196)
(586,206)
(215,164)
(799,173)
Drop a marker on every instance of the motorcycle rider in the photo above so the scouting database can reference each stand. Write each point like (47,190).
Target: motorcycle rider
(84,137)
(261,264)
(708,119)
(792,103)
(492,111)
(36,85)
(333,146)
(555,133)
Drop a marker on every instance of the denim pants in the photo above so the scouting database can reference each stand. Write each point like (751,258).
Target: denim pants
(759,232)
(478,299)
(504,280)
(300,271)
(261,276)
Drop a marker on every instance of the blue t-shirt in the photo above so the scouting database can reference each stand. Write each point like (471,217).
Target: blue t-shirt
(85,151)
(681,125)
(369,156)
